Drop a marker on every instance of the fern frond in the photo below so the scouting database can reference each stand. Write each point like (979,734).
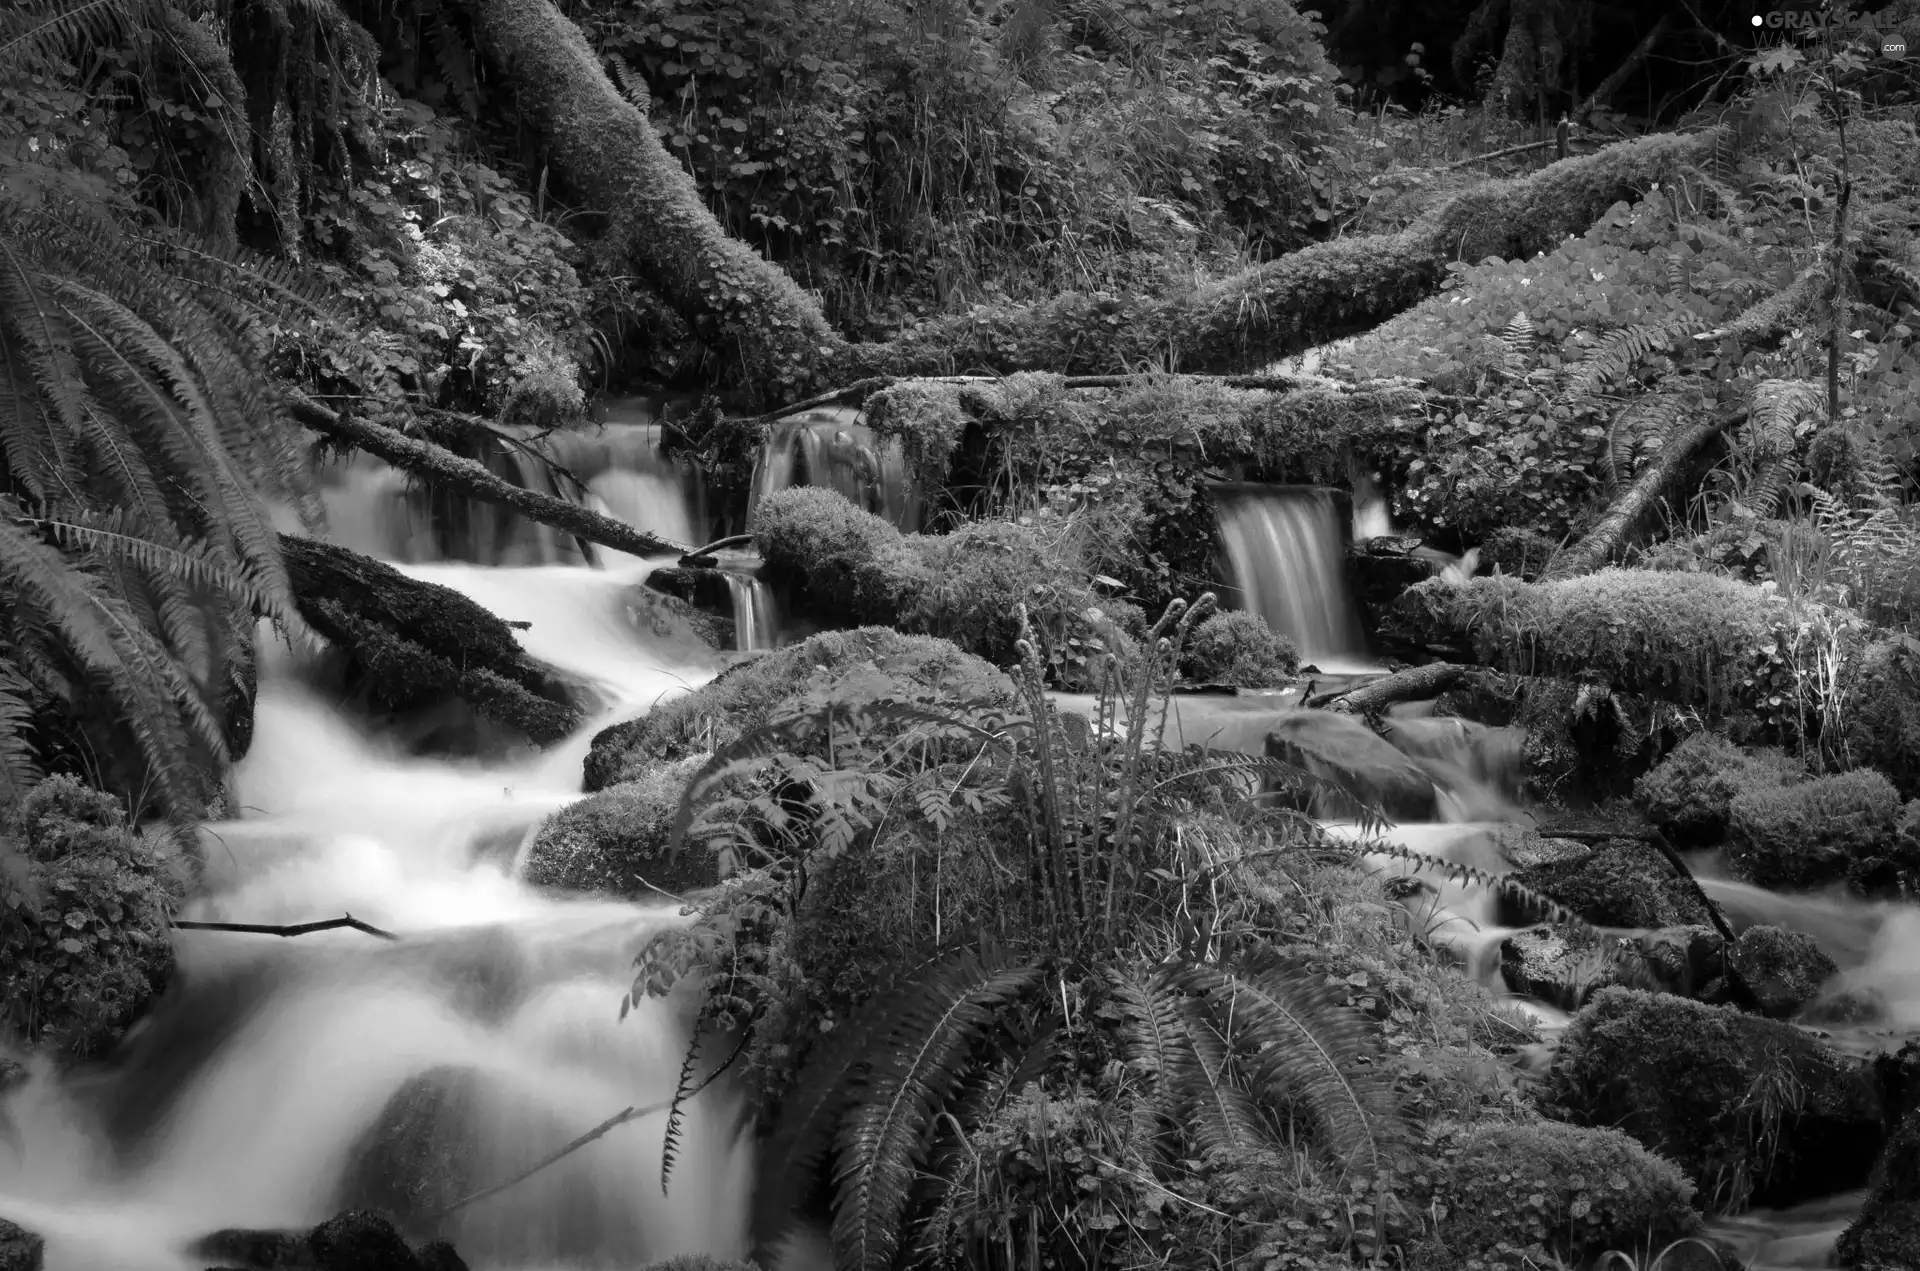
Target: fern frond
(1516,340)
(913,1066)
(1619,351)
(1303,1049)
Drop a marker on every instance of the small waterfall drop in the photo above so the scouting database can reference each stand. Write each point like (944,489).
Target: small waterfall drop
(275,1076)
(1371,518)
(1285,547)
(831,448)
(756,619)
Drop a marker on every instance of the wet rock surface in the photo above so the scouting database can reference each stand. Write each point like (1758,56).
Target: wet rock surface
(1886,1234)
(1351,755)
(353,1241)
(1621,883)
(20,1249)
(414,1160)
(1783,969)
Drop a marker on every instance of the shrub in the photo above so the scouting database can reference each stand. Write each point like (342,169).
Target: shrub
(84,942)
(615,841)
(1815,832)
(1517,550)
(742,697)
(1689,795)
(1239,648)
(1572,1191)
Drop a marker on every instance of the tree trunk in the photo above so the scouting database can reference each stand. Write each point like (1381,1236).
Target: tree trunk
(1603,95)
(444,468)
(1411,685)
(605,149)
(748,310)
(1627,512)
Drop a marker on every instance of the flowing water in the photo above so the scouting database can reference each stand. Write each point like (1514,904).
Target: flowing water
(251,1096)
(832,449)
(1285,546)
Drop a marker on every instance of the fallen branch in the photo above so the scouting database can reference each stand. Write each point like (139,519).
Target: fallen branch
(1600,543)
(1411,685)
(442,467)
(299,929)
(1501,154)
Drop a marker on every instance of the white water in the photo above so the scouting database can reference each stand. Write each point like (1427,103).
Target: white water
(306,1040)
(1285,546)
(831,448)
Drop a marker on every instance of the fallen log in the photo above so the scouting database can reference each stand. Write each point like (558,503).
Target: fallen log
(442,467)
(1632,507)
(1412,685)
(748,312)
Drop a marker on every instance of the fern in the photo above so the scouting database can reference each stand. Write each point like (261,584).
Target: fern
(1516,340)
(910,1075)
(1619,351)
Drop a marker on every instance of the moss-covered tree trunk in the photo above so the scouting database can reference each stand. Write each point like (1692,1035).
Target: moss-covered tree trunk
(750,311)
(1630,510)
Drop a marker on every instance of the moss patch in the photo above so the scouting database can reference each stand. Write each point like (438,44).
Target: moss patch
(1749,1108)
(615,841)
(1689,796)
(1843,826)
(1240,649)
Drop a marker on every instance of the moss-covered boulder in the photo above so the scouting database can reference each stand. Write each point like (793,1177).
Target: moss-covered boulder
(20,1249)
(615,840)
(1783,969)
(744,695)
(848,565)
(417,1156)
(1240,649)
(357,1240)
(408,644)
(84,940)
(1621,883)
(1883,712)
(1568,1191)
(1886,1233)
(1558,967)
(1689,795)
(1820,831)
(1752,1110)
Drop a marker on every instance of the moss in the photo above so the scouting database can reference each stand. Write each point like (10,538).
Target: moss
(1576,1192)
(1749,1108)
(975,579)
(1623,883)
(1239,648)
(852,565)
(1886,1233)
(410,644)
(615,841)
(745,694)
(87,949)
(1689,796)
(1695,639)
(1783,969)
(1816,832)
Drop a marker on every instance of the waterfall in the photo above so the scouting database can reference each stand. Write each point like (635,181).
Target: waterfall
(1370,515)
(1285,547)
(831,448)
(256,1093)
(756,620)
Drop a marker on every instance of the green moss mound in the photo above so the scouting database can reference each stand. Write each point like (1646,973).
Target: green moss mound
(84,914)
(743,696)
(1622,883)
(1843,826)
(1751,1109)
(1571,1191)
(1883,713)
(855,565)
(1689,796)
(615,841)
(1240,649)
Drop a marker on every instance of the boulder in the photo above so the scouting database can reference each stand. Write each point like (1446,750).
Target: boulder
(1752,1109)
(615,841)
(20,1249)
(1366,768)
(1784,969)
(1685,961)
(1526,848)
(416,1157)
(1885,1235)
(1621,883)
(1558,967)
(353,1241)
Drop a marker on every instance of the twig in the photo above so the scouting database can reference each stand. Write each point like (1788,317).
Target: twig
(1501,154)
(300,929)
(731,540)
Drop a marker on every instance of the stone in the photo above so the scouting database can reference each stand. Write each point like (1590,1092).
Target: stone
(1886,1233)
(1528,849)
(1556,966)
(1621,883)
(415,1159)
(356,1240)
(20,1249)
(1344,751)
(1684,961)
(1784,969)
(1752,1109)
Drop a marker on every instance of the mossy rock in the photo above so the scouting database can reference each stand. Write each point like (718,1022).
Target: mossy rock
(1365,767)
(1783,969)
(357,1240)
(1573,1191)
(416,1158)
(1240,649)
(1689,795)
(410,644)
(615,840)
(1886,1232)
(89,948)
(1750,1108)
(1621,883)
(743,696)
(20,1249)
(1845,826)
(1883,712)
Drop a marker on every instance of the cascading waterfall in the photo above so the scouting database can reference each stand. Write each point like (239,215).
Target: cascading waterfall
(1285,546)
(272,1080)
(831,448)
(756,618)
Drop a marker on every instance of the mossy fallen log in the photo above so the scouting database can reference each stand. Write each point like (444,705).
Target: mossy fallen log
(753,316)
(409,643)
